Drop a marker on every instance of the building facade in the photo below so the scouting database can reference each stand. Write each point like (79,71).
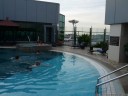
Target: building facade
(117,18)
(35,20)
(61,26)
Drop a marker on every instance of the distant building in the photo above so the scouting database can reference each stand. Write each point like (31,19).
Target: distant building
(117,18)
(99,37)
(21,20)
(61,26)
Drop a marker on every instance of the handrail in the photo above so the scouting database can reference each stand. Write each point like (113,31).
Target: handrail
(114,71)
(118,77)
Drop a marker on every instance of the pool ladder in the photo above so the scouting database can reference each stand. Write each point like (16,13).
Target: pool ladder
(110,80)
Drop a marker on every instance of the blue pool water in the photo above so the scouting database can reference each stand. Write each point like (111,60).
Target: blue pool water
(66,75)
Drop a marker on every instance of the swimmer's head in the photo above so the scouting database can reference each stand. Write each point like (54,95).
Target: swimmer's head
(16,57)
(37,52)
(37,63)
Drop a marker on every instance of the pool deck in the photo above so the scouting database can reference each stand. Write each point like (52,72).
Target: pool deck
(96,55)
(102,59)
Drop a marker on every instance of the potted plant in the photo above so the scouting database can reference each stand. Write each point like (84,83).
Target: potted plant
(60,40)
(83,40)
(126,49)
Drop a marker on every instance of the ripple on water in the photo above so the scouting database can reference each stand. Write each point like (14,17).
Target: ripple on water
(67,75)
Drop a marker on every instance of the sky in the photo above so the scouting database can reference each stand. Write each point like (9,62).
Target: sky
(87,12)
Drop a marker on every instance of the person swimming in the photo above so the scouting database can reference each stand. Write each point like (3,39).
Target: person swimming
(16,58)
(38,52)
(37,63)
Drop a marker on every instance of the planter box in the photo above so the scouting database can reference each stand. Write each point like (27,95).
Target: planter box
(60,43)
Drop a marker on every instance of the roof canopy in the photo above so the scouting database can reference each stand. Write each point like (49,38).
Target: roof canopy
(8,23)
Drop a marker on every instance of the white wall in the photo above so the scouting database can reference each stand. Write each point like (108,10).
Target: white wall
(113,53)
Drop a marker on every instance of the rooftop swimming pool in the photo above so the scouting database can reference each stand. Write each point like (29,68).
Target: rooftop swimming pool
(65,75)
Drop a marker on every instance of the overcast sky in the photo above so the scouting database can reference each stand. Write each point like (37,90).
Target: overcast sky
(87,12)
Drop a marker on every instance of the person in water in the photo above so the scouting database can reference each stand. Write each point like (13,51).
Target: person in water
(38,52)
(16,58)
(37,63)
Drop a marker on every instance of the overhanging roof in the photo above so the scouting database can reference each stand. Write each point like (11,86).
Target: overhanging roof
(8,23)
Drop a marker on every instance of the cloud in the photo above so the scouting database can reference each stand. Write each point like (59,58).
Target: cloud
(87,12)
(90,17)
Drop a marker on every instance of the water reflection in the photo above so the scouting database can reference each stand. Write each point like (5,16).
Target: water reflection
(73,59)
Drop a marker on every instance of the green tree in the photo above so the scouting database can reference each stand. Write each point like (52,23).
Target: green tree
(84,38)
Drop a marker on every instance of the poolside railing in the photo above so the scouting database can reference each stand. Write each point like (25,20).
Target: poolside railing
(29,39)
(99,89)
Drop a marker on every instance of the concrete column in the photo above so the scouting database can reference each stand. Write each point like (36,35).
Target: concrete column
(116,52)
(123,41)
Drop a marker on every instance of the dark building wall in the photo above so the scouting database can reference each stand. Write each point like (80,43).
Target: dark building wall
(116,12)
(35,18)
(110,12)
(21,12)
(1,9)
(123,41)
(29,11)
(41,15)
